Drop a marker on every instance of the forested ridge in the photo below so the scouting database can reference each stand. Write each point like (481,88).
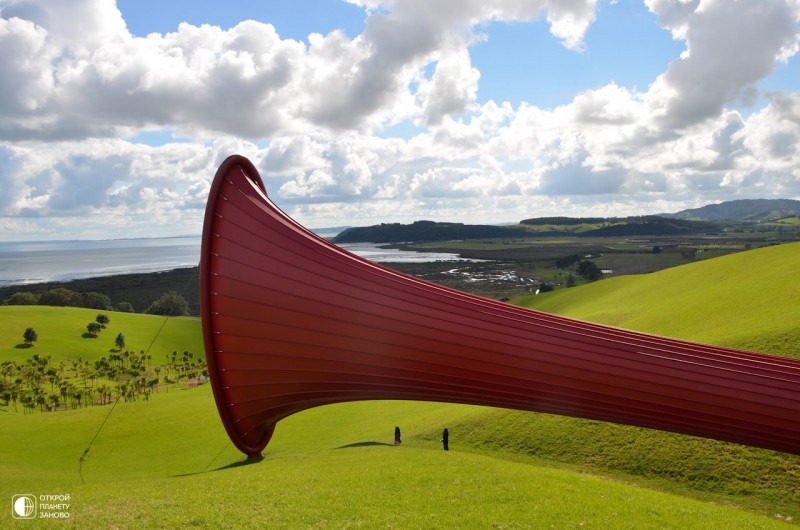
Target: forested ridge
(127,292)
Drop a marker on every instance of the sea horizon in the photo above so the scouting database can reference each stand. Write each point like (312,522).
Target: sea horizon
(32,262)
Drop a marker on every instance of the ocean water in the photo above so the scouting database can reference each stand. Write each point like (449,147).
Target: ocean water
(373,252)
(45,261)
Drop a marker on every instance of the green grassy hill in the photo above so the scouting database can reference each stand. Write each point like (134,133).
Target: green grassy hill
(748,300)
(61,333)
(167,462)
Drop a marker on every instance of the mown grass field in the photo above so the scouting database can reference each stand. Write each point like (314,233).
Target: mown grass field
(167,462)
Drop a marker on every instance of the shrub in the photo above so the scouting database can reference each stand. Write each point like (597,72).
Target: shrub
(169,304)
(125,307)
(95,301)
(61,297)
(23,298)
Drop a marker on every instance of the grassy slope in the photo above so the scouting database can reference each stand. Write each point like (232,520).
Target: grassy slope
(747,300)
(168,462)
(61,330)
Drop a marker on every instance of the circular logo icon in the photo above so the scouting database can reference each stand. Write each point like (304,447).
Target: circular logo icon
(24,506)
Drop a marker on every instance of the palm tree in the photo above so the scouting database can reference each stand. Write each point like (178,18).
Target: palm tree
(77,397)
(64,390)
(16,392)
(40,398)
(8,368)
(6,396)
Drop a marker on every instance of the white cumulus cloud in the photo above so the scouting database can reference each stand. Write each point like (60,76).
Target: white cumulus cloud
(318,117)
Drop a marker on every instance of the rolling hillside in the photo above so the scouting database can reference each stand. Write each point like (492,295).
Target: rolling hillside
(62,331)
(748,300)
(167,462)
(742,210)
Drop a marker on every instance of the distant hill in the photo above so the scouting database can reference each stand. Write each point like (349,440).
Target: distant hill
(651,225)
(425,231)
(421,231)
(704,220)
(329,231)
(753,210)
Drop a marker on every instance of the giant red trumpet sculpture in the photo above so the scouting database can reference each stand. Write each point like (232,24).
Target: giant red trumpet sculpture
(290,322)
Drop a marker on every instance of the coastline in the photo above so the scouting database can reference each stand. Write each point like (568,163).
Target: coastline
(141,273)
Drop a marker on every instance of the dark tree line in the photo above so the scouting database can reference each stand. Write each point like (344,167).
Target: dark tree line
(61,297)
(564,221)
(127,292)
(169,303)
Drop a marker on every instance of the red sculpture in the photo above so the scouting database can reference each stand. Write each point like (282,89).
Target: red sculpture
(291,321)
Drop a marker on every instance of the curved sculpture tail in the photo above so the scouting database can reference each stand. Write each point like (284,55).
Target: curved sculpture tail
(291,321)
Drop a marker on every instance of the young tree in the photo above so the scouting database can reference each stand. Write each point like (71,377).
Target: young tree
(93,328)
(30,336)
(103,320)
(120,341)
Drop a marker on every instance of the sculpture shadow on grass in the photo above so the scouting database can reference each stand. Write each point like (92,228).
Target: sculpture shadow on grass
(363,444)
(232,465)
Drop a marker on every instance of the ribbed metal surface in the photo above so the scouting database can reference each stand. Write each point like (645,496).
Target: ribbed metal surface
(291,322)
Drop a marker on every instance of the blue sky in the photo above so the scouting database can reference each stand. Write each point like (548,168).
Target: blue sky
(293,20)
(115,115)
(624,45)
